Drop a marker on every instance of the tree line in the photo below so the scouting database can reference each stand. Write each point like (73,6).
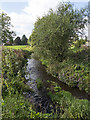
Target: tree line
(18,41)
(21,41)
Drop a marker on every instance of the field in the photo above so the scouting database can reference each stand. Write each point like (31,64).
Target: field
(20,47)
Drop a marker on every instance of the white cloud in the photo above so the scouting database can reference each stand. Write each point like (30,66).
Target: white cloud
(36,8)
(23,23)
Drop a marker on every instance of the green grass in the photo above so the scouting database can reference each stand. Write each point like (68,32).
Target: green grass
(22,47)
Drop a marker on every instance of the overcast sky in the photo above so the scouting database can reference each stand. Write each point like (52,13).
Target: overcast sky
(24,13)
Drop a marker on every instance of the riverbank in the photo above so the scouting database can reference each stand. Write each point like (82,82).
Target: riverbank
(73,71)
(41,87)
(58,93)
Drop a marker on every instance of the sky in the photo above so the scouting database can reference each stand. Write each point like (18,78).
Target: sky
(24,13)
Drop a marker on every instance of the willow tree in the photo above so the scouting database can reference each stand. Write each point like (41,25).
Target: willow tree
(53,33)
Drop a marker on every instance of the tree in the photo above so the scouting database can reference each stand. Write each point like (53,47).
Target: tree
(54,32)
(5,24)
(24,40)
(29,40)
(17,41)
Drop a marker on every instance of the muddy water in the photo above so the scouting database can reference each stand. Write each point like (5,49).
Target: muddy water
(39,98)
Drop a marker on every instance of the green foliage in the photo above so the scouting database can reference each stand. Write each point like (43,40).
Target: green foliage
(29,40)
(24,40)
(74,75)
(71,108)
(17,107)
(54,32)
(13,64)
(39,84)
(14,105)
(80,42)
(79,109)
(44,62)
(78,45)
(17,41)
(75,70)
(6,34)
(53,37)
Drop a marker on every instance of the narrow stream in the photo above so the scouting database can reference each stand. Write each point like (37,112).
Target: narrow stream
(39,98)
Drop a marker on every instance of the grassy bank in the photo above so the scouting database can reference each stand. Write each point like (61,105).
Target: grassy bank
(67,107)
(14,104)
(74,70)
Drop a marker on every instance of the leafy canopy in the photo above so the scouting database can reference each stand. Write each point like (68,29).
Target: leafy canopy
(53,33)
